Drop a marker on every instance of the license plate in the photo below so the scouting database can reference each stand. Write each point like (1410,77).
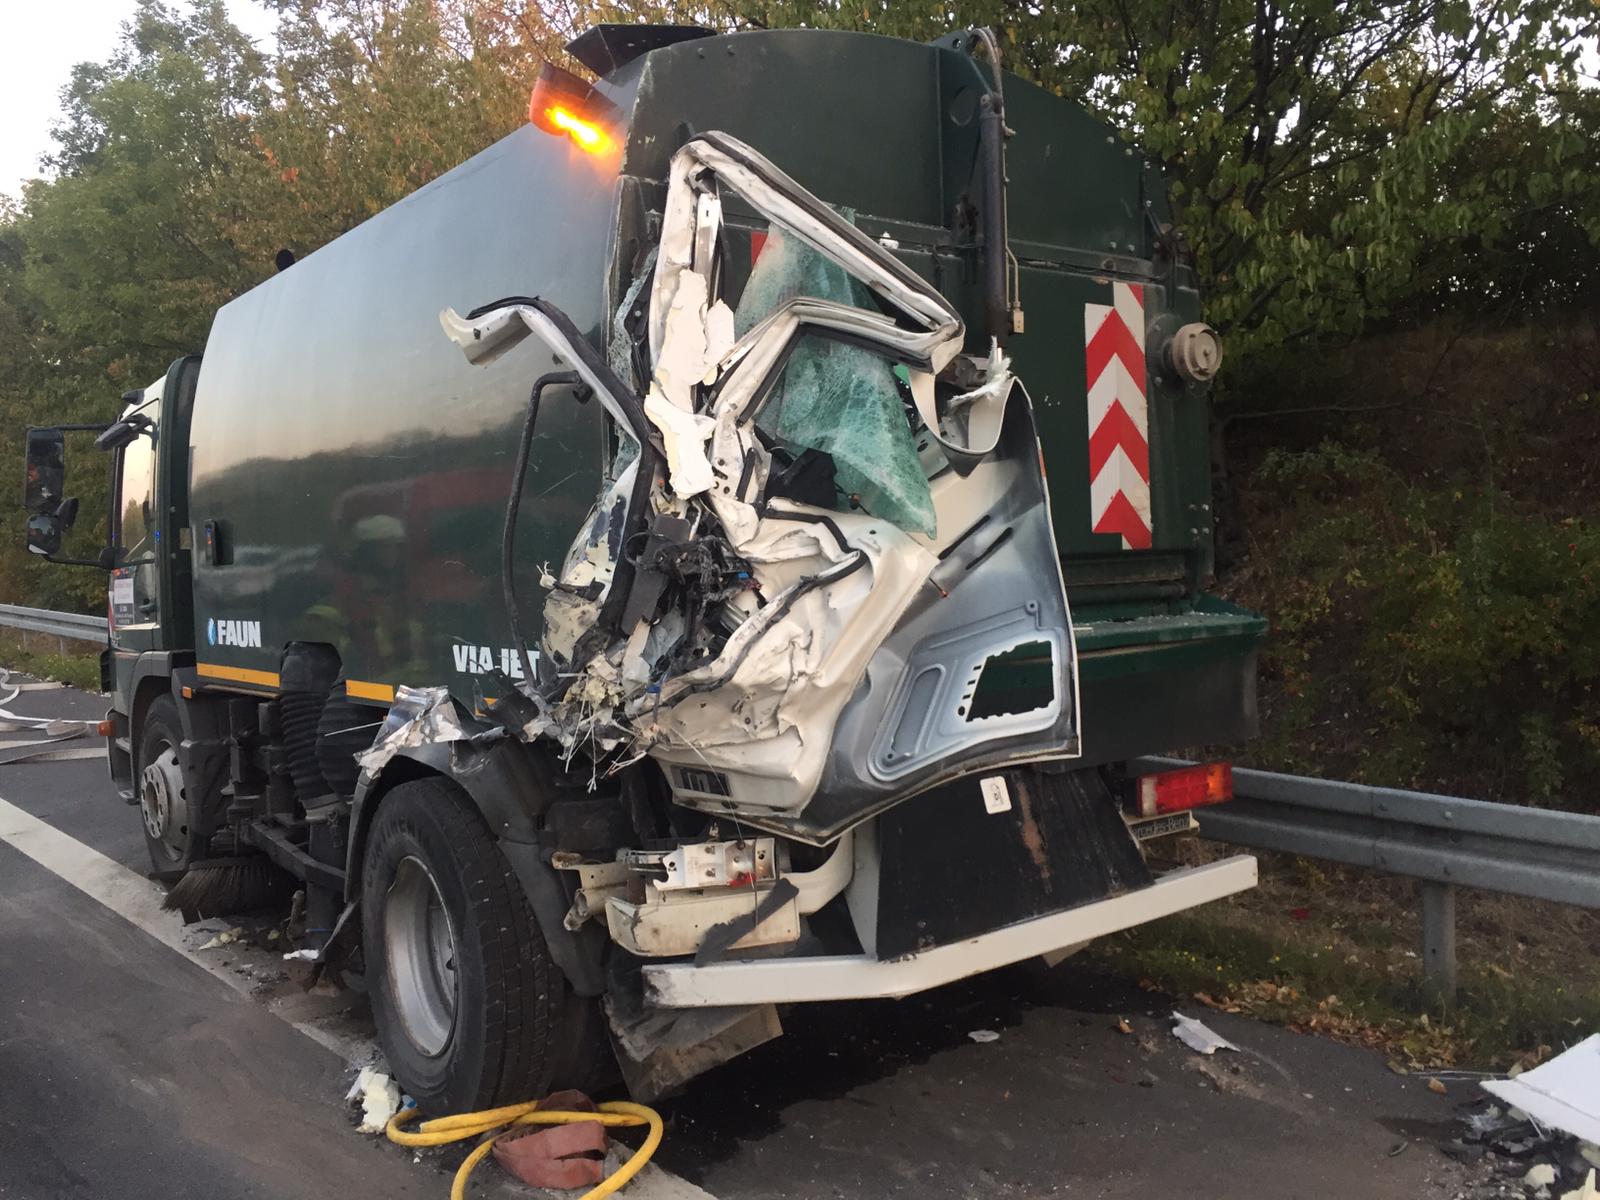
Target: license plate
(1154,827)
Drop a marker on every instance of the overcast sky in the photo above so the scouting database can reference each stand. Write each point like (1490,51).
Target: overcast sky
(40,44)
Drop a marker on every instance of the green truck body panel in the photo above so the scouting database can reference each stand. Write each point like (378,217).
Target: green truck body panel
(359,476)
(355,467)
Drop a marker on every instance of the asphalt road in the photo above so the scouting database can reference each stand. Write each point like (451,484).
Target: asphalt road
(134,1065)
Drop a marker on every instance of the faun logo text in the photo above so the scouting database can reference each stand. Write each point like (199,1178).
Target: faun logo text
(233,633)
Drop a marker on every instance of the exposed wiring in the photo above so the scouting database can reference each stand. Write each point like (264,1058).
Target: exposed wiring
(497,1122)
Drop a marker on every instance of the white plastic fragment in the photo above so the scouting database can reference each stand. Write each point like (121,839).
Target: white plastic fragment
(719,338)
(1199,1037)
(984,1035)
(1540,1175)
(1563,1093)
(301,956)
(226,938)
(683,438)
(379,1097)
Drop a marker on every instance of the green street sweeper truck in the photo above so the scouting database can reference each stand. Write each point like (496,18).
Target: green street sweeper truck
(723,546)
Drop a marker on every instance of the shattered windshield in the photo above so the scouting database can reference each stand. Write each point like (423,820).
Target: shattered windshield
(834,397)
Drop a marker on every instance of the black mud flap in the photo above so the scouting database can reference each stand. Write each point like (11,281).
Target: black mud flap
(982,853)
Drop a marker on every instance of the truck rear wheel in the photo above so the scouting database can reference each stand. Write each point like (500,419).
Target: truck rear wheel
(466,998)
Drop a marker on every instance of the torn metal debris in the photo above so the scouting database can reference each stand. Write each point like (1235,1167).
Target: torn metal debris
(823,525)
(417,716)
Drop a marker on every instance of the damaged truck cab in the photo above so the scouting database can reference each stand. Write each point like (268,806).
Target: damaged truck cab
(674,564)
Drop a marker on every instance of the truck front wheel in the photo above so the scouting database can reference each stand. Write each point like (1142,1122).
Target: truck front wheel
(466,998)
(169,812)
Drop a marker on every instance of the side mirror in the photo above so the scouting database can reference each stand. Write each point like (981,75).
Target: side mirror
(50,514)
(44,534)
(45,530)
(45,474)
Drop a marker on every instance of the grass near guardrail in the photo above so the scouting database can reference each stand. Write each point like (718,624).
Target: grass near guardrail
(40,655)
(1333,950)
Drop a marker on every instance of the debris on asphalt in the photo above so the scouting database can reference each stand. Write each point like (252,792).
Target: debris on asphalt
(1198,1037)
(1123,1026)
(1486,1121)
(379,1096)
(1522,1143)
(1464,1152)
(984,1035)
(1437,1088)
(307,955)
(1563,1093)
(1538,1139)
(226,938)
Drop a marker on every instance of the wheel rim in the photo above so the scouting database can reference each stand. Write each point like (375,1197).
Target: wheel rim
(164,803)
(421,950)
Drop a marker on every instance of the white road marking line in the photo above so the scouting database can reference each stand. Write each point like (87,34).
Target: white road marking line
(138,901)
(43,754)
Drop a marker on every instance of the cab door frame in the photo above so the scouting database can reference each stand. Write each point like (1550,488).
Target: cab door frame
(172,626)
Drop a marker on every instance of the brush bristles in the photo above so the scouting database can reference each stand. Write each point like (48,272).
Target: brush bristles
(218,890)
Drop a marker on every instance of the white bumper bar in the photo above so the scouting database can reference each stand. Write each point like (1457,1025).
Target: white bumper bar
(859,977)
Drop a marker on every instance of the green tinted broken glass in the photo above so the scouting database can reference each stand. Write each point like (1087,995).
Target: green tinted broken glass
(840,399)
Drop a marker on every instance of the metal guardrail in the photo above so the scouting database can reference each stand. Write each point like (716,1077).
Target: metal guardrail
(1444,841)
(62,625)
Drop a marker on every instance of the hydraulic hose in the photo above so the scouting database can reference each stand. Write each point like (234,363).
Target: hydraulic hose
(500,1121)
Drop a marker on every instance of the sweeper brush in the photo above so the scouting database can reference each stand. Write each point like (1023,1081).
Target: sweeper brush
(218,887)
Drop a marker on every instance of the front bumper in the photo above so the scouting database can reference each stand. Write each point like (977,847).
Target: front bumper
(861,977)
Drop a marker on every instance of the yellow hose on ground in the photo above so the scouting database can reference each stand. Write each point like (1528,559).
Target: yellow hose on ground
(500,1121)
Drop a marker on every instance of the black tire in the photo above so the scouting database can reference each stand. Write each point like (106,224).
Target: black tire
(175,814)
(583,1057)
(499,1045)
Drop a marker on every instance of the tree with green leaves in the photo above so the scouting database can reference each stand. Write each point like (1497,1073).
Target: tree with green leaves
(113,268)
(1323,154)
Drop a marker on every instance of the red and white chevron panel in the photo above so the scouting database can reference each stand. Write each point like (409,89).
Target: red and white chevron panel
(1119,417)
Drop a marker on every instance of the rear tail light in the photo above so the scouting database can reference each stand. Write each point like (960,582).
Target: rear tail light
(1185,788)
